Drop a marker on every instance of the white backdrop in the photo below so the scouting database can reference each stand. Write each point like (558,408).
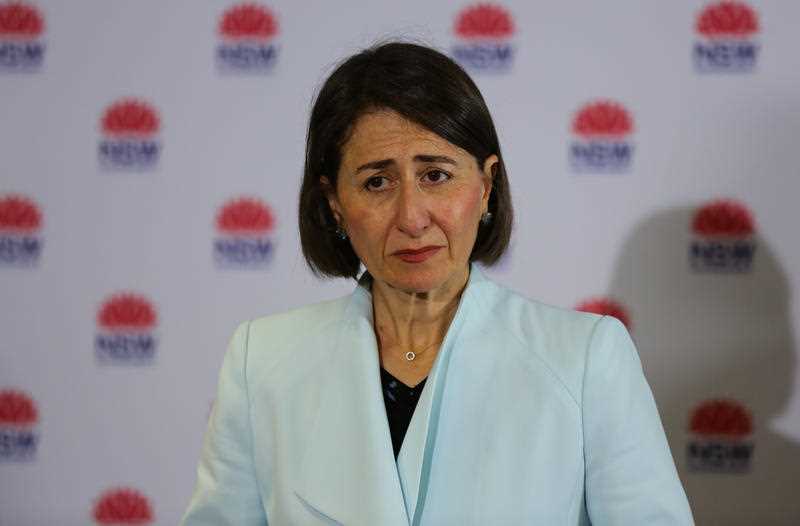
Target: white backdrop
(133,241)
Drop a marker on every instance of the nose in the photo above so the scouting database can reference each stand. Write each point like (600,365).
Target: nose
(412,214)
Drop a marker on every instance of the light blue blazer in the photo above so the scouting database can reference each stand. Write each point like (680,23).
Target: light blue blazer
(531,415)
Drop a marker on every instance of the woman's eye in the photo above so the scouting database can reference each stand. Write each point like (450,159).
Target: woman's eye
(376,183)
(437,176)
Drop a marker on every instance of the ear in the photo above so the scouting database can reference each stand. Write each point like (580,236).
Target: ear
(333,199)
(489,167)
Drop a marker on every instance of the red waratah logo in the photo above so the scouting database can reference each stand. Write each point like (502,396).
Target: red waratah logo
(126,325)
(726,43)
(127,311)
(19,214)
(722,418)
(20,20)
(727,19)
(130,117)
(606,307)
(244,225)
(130,127)
(723,237)
(486,21)
(245,215)
(602,119)
(720,437)
(248,34)
(20,222)
(21,45)
(723,218)
(484,34)
(17,409)
(248,21)
(122,506)
(18,419)
(601,145)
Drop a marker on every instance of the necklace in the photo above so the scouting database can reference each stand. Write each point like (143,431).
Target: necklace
(411,355)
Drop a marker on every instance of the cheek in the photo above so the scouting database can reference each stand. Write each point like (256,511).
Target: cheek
(469,207)
(460,215)
(367,228)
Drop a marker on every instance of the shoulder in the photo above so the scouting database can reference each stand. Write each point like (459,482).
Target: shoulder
(558,339)
(549,329)
(299,322)
(295,335)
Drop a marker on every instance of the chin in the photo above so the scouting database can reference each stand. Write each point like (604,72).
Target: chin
(419,280)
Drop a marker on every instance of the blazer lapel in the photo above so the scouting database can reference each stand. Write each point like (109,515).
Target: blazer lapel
(348,472)
(414,459)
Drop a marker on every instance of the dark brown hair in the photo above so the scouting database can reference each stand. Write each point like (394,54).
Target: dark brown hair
(427,88)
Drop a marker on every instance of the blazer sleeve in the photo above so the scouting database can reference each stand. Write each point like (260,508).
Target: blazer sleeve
(630,473)
(226,492)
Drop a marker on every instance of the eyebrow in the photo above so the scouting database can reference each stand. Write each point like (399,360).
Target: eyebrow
(383,163)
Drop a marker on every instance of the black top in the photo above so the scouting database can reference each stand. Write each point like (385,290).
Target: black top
(400,401)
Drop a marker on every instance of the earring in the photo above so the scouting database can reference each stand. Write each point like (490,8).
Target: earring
(486,218)
(341,233)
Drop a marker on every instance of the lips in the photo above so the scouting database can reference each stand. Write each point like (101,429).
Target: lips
(417,251)
(417,255)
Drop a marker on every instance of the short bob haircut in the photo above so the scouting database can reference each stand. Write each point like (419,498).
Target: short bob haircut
(427,88)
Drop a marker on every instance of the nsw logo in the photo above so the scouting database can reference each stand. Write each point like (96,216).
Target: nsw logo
(720,437)
(725,38)
(606,307)
(601,138)
(21,45)
(247,33)
(484,33)
(126,325)
(244,234)
(117,506)
(130,136)
(18,418)
(723,238)
(20,225)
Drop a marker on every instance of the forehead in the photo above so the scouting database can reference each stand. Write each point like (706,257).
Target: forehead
(385,134)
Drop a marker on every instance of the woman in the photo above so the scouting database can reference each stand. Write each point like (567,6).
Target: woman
(501,410)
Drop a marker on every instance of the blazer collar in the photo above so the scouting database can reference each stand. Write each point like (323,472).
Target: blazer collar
(348,472)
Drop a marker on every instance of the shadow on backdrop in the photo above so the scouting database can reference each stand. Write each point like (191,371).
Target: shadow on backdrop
(715,335)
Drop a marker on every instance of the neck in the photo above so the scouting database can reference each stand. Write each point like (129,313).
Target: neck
(414,321)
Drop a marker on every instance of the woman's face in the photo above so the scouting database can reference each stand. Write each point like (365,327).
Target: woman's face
(410,202)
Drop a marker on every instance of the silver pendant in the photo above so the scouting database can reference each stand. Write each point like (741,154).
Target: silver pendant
(410,356)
